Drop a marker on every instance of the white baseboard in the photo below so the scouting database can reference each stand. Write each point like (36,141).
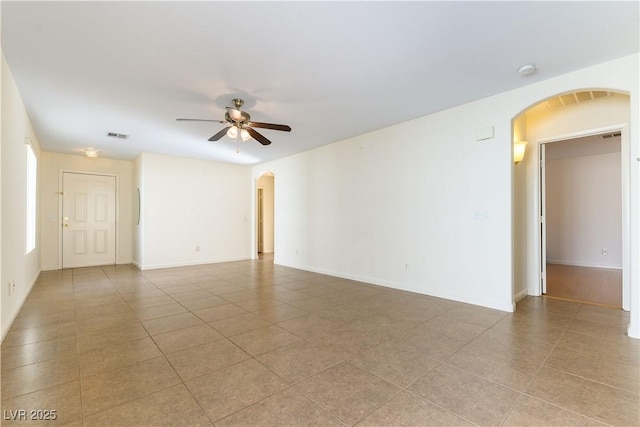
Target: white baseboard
(497,305)
(190,263)
(633,331)
(523,293)
(13,319)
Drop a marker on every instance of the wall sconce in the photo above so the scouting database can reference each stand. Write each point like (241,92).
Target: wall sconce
(518,151)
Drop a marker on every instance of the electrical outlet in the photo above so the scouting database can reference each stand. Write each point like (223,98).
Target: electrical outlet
(198,248)
(604,251)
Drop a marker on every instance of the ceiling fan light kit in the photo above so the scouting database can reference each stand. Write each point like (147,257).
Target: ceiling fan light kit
(240,124)
(236,130)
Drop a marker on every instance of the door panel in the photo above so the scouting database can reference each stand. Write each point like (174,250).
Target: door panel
(89,220)
(80,208)
(101,241)
(79,242)
(102,207)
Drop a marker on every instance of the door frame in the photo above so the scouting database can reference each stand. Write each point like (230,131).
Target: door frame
(623,128)
(61,173)
(260,224)
(254,209)
(543,220)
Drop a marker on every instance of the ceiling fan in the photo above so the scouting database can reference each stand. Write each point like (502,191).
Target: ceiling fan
(240,124)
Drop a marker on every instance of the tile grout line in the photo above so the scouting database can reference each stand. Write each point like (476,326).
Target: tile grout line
(80,379)
(237,282)
(540,367)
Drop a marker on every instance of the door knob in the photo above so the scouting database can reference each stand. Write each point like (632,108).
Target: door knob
(65,225)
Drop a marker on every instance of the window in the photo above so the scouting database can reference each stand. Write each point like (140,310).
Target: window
(32,180)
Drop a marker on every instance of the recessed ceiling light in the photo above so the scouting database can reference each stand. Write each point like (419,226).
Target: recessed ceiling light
(90,152)
(525,70)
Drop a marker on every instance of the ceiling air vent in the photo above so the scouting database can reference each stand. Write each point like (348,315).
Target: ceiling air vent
(611,135)
(117,135)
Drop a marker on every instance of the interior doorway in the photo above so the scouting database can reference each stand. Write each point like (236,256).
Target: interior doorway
(581,207)
(265,215)
(576,114)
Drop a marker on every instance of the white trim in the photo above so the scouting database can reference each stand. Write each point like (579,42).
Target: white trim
(633,331)
(189,263)
(254,212)
(508,306)
(32,208)
(15,316)
(523,293)
(583,133)
(542,220)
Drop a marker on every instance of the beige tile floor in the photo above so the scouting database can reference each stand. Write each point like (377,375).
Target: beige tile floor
(253,344)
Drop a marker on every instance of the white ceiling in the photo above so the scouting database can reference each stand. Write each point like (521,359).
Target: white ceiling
(330,70)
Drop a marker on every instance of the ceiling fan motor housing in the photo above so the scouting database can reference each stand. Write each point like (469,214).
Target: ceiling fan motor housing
(244,117)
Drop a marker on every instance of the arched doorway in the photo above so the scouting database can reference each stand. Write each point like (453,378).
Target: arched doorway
(581,115)
(265,215)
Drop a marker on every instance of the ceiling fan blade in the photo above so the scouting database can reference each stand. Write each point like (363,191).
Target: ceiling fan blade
(257,136)
(200,120)
(284,128)
(235,114)
(220,134)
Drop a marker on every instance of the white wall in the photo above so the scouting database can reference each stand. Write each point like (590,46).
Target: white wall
(21,268)
(584,210)
(519,215)
(52,164)
(398,206)
(191,203)
(266,182)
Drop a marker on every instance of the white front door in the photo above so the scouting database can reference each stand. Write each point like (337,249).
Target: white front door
(88,220)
